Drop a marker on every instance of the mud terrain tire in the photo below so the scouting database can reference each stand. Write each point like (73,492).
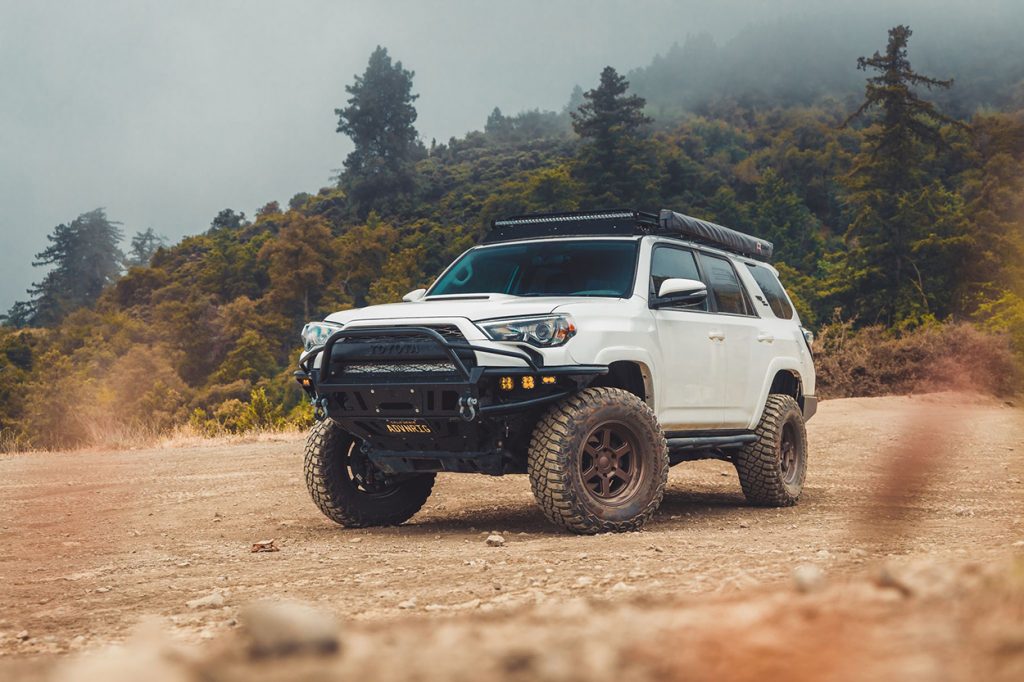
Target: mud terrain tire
(772,468)
(598,462)
(345,495)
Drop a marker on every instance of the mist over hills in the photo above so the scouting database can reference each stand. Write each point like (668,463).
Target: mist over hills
(166,116)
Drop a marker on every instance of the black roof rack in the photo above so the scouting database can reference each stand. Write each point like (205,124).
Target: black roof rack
(628,222)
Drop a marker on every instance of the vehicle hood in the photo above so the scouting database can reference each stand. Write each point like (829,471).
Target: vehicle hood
(473,308)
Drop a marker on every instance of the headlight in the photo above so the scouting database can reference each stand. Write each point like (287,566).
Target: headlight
(316,333)
(548,330)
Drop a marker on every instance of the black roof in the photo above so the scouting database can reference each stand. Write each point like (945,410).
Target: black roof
(628,222)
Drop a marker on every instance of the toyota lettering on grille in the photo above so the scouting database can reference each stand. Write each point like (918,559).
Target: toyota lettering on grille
(394,349)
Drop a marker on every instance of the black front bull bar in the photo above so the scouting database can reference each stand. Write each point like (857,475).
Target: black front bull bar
(422,397)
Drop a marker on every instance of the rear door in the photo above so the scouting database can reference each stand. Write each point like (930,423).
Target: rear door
(690,394)
(742,366)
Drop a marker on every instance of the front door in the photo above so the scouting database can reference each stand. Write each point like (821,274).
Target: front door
(690,345)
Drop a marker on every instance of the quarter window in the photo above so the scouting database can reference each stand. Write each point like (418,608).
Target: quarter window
(725,285)
(773,292)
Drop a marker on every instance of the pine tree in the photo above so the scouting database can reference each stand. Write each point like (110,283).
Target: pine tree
(615,161)
(380,119)
(143,246)
(85,259)
(897,244)
(228,220)
(780,217)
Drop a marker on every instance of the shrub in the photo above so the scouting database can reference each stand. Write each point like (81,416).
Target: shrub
(873,361)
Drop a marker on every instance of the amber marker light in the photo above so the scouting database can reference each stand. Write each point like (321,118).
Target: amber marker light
(506,383)
(547,380)
(528,382)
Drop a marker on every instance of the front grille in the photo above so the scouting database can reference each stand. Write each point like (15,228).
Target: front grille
(399,368)
(389,358)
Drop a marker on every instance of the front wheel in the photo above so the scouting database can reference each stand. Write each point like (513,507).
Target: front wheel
(598,462)
(772,468)
(350,490)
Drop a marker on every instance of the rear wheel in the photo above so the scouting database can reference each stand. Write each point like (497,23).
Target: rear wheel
(772,468)
(598,462)
(350,490)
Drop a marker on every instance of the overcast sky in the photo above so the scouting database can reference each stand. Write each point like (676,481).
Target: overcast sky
(165,112)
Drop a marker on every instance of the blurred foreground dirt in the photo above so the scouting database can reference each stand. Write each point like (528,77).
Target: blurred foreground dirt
(867,578)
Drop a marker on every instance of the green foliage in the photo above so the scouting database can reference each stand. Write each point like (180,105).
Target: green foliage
(144,245)
(615,162)
(299,264)
(84,257)
(782,218)
(380,119)
(1005,315)
(907,231)
(234,416)
(205,331)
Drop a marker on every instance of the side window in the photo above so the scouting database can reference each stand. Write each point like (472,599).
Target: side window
(668,263)
(774,295)
(725,285)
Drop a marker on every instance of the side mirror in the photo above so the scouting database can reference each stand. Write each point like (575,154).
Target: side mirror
(414,295)
(678,291)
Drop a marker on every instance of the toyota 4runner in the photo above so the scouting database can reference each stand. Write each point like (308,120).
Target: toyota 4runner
(591,351)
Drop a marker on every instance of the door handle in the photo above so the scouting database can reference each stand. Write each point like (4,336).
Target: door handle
(716,335)
(765,337)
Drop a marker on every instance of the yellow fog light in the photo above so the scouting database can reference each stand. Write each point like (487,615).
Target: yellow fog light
(547,380)
(507,384)
(528,382)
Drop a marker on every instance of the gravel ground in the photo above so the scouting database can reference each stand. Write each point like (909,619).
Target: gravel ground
(902,551)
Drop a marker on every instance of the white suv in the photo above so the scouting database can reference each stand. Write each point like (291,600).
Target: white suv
(589,350)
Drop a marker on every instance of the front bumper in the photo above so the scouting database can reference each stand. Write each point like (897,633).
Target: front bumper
(440,403)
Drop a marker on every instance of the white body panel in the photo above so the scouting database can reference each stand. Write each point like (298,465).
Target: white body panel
(705,370)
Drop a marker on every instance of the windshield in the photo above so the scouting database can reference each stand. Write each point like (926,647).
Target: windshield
(549,268)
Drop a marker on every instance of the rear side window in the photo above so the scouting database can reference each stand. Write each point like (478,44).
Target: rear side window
(725,285)
(774,295)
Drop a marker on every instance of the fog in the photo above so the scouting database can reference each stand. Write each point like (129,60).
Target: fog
(164,113)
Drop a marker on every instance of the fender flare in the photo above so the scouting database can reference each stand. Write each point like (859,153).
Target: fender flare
(636,355)
(779,364)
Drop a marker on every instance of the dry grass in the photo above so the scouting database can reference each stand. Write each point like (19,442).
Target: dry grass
(187,436)
(873,361)
(118,436)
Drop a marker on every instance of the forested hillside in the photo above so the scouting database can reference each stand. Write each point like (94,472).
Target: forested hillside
(895,216)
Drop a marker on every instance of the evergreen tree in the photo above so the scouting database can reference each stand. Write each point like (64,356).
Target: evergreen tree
(300,261)
(780,217)
(228,220)
(380,119)
(85,259)
(615,162)
(143,246)
(498,125)
(896,244)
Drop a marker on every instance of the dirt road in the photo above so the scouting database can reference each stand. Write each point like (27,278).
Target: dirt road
(93,542)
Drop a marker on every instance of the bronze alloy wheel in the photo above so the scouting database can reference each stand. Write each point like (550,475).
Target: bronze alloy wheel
(772,468)
(610,463)
(789,461)
(598,461)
